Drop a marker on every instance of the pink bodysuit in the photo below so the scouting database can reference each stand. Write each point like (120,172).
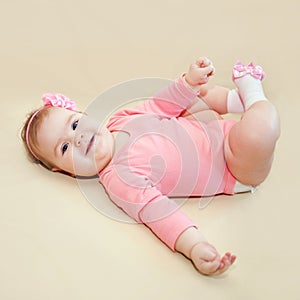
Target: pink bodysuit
(165,156)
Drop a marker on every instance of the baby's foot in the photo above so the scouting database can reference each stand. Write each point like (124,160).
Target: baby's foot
(248,81)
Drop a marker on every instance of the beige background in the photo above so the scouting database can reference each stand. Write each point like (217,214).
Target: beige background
(53,243)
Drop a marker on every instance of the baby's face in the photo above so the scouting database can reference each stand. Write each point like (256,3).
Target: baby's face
(74,142)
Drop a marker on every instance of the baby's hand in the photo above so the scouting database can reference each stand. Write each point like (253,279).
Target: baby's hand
(199,72)
(207,260)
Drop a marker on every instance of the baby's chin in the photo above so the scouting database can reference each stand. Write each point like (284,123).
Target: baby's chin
(86,174)
(92,170)
(85,169)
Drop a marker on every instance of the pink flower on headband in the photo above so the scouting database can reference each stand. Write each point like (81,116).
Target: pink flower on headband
(58,100)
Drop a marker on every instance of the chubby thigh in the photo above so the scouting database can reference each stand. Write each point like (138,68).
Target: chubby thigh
(250,144)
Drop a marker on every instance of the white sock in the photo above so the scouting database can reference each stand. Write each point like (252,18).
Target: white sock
(250,90)
(234,102)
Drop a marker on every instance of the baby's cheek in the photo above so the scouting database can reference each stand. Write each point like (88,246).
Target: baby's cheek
(102,156)
(84,167)
(100,150)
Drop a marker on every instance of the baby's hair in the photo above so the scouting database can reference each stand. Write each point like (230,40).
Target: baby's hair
(32,150)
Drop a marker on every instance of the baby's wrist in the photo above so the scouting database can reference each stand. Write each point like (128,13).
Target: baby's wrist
(194,248)
(188,240)
(194,87)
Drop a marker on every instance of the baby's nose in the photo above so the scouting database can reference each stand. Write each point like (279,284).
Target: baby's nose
(78,139)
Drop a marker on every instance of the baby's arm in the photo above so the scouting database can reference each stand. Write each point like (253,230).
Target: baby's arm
(206,259)
(146,204)
(141,200)
(214,97)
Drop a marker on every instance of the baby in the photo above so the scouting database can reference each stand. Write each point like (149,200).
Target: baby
(175,144)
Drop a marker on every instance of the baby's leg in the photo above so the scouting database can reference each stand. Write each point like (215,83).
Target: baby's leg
(199,110)
(250,144)
(217,98)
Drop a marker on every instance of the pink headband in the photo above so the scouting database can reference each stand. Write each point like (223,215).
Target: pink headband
(57,100)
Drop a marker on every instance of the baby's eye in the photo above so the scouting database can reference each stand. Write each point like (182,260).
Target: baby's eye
(64,148)
(74,125)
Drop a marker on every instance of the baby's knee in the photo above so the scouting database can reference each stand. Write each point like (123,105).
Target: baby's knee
(268,122)
(261,142)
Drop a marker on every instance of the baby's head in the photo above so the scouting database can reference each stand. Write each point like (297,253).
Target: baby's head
(64,140)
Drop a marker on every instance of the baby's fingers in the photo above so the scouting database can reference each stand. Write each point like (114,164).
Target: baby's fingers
(208,71)
(209,267)
(203,68)
(203,62)
(226,262)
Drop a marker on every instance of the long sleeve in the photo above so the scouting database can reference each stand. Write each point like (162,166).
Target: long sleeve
(166,220)
(169,102)
(145,203)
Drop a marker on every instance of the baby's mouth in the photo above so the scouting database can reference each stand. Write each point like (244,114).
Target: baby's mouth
(90,144)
